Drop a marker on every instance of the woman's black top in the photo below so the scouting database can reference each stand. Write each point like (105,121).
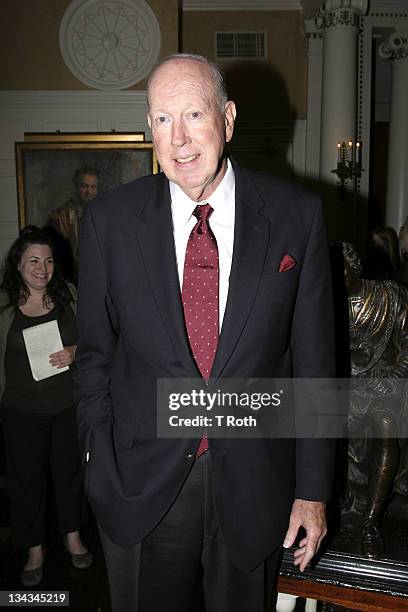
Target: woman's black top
(21,390)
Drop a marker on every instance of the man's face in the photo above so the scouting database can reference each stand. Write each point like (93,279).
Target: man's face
(189,129)
(87,187)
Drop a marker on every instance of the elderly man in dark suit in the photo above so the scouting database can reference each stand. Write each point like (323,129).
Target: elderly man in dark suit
(210,272)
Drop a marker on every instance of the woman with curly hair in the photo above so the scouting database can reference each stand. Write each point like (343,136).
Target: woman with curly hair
(39,417)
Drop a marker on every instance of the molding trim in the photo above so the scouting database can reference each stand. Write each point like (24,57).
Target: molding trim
(7,229)
(91,99)
(242,5)
(388,6)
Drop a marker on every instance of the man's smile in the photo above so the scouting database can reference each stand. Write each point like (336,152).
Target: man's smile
(186,160)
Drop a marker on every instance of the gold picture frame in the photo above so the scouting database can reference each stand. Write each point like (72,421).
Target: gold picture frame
(47,162)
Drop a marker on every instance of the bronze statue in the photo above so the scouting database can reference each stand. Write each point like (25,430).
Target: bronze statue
(378,312)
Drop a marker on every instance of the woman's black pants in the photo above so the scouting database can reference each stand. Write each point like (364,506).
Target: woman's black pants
(38,445)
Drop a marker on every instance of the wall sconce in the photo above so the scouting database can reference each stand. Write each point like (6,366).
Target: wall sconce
(348,163)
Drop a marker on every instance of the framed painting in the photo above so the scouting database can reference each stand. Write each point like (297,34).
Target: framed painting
(48,167)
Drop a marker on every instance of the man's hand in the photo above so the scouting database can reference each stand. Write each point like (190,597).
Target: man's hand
(310,515)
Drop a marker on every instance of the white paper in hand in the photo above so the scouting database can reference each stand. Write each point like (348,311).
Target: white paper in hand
(42,340)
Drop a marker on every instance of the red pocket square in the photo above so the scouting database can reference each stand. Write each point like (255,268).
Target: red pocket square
(287,263)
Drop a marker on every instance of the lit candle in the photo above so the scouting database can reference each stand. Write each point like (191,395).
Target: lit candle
(358,150)
(351,151)
(338,152)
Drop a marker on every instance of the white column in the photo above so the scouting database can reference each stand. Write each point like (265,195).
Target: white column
(338,20)
(395,48)
(314,98)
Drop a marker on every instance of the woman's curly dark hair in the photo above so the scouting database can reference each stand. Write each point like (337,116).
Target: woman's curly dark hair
(12,284)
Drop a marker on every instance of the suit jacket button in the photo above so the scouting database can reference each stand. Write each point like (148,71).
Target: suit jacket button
(190,455)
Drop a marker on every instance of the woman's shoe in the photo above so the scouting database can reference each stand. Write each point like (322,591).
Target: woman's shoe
(31,578)
(82,561)
(79,560)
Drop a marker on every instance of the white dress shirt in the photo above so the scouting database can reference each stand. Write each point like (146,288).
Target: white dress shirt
(221,222)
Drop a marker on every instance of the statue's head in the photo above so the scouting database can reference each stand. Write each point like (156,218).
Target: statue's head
(352,258)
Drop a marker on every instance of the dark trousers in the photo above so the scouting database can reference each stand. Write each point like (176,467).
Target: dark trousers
(184,556)
(36,444)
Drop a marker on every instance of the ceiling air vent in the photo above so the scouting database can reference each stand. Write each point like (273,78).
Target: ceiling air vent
(243,45)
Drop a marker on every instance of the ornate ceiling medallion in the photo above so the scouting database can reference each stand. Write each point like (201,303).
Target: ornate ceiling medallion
(109,44)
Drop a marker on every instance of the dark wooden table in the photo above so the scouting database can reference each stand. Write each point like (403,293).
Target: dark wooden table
(348,580)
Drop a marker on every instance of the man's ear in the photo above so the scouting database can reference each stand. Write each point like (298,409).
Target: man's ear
(230,113)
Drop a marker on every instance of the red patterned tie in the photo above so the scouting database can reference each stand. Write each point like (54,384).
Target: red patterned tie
(200,295)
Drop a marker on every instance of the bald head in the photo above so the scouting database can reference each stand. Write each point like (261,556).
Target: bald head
(214,75)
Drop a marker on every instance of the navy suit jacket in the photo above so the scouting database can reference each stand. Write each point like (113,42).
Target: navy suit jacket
(132,332)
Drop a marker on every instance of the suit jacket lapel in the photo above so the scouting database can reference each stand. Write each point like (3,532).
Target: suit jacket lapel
(251,241)
(156,241)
